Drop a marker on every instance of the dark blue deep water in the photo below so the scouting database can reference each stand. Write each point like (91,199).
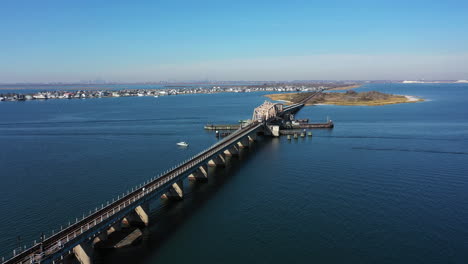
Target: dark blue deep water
(389,184)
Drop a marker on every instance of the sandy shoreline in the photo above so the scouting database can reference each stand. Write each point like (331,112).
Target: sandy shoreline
(412,98)
(285,101)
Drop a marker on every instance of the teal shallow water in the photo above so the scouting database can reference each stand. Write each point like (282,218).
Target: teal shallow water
(387,184)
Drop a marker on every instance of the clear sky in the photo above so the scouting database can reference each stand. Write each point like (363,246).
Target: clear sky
(47,40)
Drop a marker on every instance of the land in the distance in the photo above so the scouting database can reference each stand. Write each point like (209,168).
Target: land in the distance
(347,87)
(349,97)
(80,92)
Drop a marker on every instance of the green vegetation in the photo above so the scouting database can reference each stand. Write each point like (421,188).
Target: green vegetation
(349,97)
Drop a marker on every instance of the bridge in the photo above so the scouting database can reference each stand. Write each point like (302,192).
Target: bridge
(79,238)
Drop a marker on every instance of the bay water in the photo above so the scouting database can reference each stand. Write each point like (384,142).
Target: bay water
(388,184)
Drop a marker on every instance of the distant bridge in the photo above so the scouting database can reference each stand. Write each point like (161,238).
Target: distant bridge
(80,237)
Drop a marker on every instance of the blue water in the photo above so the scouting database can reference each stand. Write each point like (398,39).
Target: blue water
(388,184)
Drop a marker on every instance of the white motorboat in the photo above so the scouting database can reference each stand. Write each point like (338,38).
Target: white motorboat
(182,144)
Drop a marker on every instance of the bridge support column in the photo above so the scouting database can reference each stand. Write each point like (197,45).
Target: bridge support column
(84,253)
(101,237)
(176,192)
(201,174)
(116,227)
(143,213)
(233,151)
(252,137)
(139,217)
(274,131)
(217,160)
(243,143)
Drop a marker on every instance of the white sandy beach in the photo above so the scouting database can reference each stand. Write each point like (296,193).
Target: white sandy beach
(286,101)
(411,98)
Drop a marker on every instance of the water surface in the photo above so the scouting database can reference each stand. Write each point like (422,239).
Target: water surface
(387,184)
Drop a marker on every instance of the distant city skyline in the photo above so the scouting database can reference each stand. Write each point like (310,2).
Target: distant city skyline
(152,41)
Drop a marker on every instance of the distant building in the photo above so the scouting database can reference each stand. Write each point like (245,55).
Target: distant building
(412,82)
(40,96)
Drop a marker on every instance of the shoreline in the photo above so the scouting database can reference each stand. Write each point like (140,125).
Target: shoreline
(154,92)
(101,91)
(413,98)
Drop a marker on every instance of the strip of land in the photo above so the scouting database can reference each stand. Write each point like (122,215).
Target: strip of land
(350,97)
(348,87)
(79,92)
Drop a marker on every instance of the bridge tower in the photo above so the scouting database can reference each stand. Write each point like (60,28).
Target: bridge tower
(267,111)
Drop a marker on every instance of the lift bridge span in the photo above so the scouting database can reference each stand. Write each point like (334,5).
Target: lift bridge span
(79,238)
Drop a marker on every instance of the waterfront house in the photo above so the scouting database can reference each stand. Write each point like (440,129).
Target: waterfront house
(40,96)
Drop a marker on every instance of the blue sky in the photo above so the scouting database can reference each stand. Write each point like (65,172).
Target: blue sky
(232,40)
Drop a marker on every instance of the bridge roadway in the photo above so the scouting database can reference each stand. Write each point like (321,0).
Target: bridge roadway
(292,108)
(296,107)
(303,101)
(55,247)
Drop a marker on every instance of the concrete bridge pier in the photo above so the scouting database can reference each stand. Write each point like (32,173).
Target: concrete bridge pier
(176,192)
(101,237)
(84,252)
(252,137)
(114,228)
(201,174)
(244,142)
(143,213)
(217,161)
(233,151)
(272,131)
(139,217)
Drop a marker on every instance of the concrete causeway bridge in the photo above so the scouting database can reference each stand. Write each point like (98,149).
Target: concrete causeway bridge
(79,238)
